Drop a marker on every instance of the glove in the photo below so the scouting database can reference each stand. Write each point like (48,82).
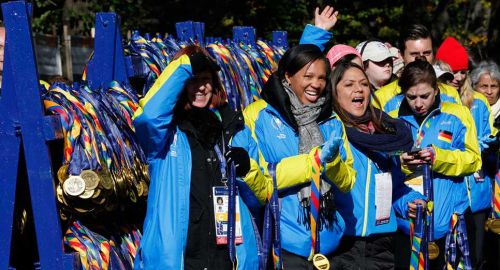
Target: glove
(240,158)
(200,63)
(490,144)
(330,149)
(486,142)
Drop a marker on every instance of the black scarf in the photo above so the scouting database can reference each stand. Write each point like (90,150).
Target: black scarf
(394,137)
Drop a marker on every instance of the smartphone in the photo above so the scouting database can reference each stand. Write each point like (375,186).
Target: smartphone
(414,152)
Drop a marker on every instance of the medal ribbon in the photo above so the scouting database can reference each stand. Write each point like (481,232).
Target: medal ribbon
(271,231)
(314,205)
(456,240)
(418,241)
(496,197)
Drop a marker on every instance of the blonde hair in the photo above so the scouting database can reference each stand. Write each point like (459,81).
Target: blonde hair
(466,91)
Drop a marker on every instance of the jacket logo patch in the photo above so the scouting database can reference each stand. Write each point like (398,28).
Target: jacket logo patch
(445,136)
(278,125)
(445,123)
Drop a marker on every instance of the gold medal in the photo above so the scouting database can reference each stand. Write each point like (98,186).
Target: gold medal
(91,179)
(74,186)
(106,181)
(87,194)
(62,173)
(146,189)
(140,188)
(97,192)
(494,225)
(320,262)
(433,251)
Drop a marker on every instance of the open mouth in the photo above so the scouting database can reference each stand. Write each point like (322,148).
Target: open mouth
(358,102)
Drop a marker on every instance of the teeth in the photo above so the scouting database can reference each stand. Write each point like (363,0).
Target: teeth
(311,93)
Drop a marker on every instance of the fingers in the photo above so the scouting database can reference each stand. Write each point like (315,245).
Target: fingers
(316,12)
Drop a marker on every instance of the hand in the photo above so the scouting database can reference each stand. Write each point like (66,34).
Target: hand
(327,19)
(201,62)
(330,148)
(423,156)
(412,207)
(487,142)
(240,158)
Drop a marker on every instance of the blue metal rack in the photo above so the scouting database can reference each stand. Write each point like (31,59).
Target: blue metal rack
(108,62)
(24,127)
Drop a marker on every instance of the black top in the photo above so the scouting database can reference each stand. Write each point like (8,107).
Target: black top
(204,130)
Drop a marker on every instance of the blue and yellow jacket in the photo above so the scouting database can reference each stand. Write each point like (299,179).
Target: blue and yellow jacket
(357,207)
(480,192)
(166,225)
(450,131)
(390,96)
(269,137)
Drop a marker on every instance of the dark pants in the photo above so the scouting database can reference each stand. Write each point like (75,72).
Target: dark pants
(402,245)
(492,251)
(374,252)
(476,240)
(295,262)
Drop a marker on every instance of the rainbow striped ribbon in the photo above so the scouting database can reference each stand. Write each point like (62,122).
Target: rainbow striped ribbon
(418,241)
(456,240)
(496,197)
(315,199)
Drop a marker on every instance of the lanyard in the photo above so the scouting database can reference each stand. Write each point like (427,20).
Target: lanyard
(271,231)
(418,258)
(457,240)
(429,193)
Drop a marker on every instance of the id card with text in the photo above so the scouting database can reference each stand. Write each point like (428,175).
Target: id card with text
(221,209)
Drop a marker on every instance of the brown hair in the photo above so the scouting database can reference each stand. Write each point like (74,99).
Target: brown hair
(336,77)
(418,71)
(218,94)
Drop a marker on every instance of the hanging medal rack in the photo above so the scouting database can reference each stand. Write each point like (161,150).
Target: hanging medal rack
(25,130)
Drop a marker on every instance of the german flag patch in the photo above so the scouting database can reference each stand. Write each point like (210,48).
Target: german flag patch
(445,136)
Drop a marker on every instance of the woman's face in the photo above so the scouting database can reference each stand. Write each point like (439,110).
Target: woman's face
(309,82)
(488,87)
(420,97)
(459,79)
(353,92)
(379,73)
(199,89)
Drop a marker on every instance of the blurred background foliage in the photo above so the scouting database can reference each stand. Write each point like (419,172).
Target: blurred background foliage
(474,23)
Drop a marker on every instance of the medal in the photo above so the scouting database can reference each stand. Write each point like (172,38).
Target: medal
(494,225)
(74,185)
(433,250)
(62,173)
(106,181)
(91,179)
(320,262)
(87,194)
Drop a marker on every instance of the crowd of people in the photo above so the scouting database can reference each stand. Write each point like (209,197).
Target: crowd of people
(331,167)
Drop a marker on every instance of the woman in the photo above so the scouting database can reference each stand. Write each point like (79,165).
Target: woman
(446,135)
(377,62)
(375,139)
(343,53)
(287,128)
(486,80)
(184,126)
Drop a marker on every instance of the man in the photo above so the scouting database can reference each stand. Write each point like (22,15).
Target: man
(415,42)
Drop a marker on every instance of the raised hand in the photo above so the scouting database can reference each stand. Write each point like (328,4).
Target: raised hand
(326,19)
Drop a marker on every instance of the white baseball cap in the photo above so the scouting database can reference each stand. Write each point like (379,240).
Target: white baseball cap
(447,75)
(375,51)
